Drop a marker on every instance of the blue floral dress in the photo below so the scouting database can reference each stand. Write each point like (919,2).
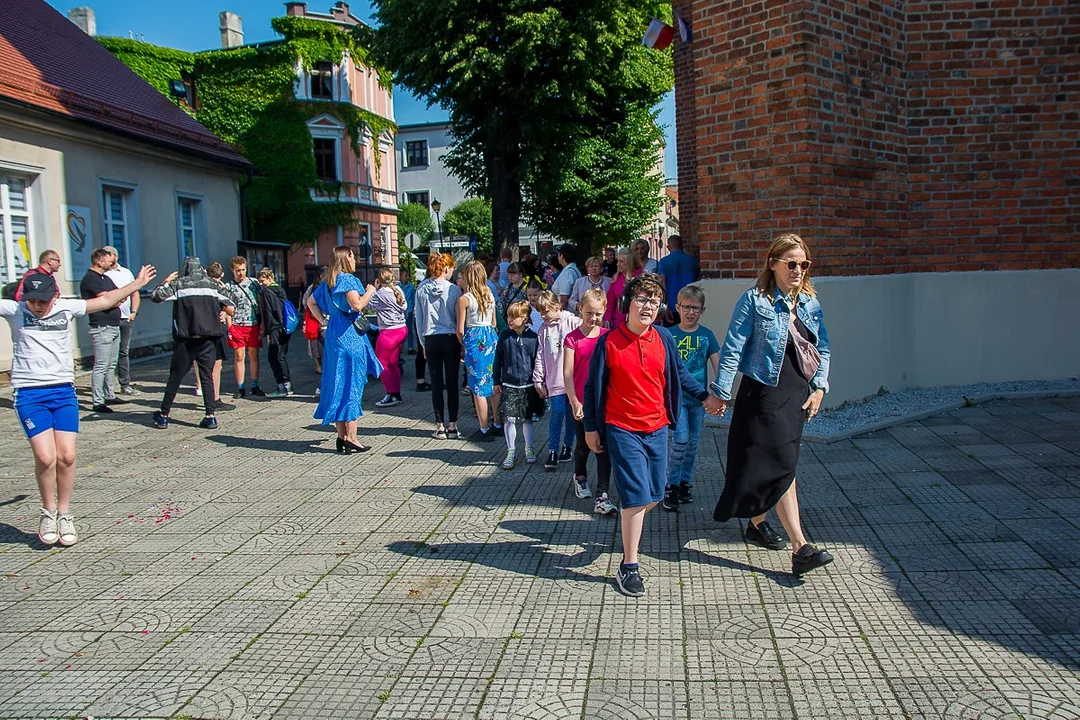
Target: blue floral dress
(348,357)
(479,343)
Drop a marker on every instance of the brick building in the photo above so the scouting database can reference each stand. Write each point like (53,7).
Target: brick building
(934,143)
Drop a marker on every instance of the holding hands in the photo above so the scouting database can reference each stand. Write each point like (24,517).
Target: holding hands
(715,406)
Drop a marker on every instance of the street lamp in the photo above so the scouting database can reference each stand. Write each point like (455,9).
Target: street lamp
(437,206)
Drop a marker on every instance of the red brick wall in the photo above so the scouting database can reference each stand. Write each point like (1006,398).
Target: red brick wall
(895,136)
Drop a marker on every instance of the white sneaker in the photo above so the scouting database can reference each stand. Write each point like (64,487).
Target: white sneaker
(581,487)
(604,506)
(68,536)
(47,530)
(198,392)
(130,390)
(509,461)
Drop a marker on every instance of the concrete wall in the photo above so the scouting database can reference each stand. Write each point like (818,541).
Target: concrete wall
(930,329)
(68,163)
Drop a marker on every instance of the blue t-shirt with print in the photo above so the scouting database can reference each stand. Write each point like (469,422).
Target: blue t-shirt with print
(695,348)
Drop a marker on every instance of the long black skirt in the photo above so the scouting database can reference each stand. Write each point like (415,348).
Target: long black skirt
(763,442)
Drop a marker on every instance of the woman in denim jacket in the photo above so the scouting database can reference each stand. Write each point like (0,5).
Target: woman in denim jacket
(774,399)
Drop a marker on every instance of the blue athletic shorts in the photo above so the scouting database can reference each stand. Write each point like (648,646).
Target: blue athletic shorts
(638,464)
(49,407)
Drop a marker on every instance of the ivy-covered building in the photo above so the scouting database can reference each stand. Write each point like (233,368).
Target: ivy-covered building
(314,115)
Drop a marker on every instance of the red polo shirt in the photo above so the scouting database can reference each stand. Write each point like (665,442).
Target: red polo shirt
(635,391)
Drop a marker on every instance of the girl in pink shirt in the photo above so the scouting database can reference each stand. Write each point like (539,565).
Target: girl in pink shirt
(627,269)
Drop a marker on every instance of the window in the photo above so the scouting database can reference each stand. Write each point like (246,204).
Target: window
(188,214)
(322,81)
(418,197)
(14,227)
(416,153)
(115,201)
(326,159)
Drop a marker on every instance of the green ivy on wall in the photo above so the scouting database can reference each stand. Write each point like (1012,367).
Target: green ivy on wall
(245,97)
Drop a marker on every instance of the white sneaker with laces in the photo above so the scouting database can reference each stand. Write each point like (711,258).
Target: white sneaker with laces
(130,390)
(68,536)
(581,487)
(604,506)
(47,530)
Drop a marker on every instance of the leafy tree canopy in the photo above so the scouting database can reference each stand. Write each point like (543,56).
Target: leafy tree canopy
(471,216)
(416,218)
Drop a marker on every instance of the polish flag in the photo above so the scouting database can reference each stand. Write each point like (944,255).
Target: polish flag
(659,35)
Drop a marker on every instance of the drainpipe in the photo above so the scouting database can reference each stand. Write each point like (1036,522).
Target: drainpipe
(245,231)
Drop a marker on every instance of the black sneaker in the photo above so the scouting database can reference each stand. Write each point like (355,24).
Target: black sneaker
(161,422)
(423,387)
(552,461)
(764,535)
(629,582)
(240,394)
(257,392)
(116,401)
(685,496)
(671,499)
(209,423)
(809,558)
(102,409)
(567,454)
(222,405)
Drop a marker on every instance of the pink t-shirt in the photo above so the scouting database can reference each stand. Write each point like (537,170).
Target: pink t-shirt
(583,349)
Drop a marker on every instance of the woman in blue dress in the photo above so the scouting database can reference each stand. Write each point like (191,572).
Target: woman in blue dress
(348,357)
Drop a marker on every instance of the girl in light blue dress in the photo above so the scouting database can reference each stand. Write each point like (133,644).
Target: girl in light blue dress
(476,329)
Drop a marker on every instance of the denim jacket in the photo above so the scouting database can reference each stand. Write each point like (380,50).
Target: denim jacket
(758,335)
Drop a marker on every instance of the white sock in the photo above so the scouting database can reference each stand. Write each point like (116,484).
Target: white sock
(510,433)
(526,430)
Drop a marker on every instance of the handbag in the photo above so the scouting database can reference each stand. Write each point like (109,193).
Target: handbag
(311,327)
(809,357)
(362,324)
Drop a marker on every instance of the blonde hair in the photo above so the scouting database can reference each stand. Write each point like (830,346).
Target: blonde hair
(547,301)
(692,292)
(593,295)
(594,259)
(521,308)
(766,282)
(630,262)
(342,261)
(474,277)
(386,278)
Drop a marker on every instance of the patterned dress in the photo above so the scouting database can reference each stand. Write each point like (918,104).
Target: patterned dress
(479,342)
(348,357)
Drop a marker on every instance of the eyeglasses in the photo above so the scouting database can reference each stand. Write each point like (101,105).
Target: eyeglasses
(643,301)
(690,308)
(793,265)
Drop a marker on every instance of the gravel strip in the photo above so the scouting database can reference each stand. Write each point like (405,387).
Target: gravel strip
(880,411)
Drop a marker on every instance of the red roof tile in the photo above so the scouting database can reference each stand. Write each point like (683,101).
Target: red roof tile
(49,63)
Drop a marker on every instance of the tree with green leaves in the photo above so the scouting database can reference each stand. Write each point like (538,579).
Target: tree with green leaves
(530,86)
(416,218)
(471,216)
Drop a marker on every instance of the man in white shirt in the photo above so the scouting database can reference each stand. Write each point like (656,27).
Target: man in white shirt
(564,283)
(129,309)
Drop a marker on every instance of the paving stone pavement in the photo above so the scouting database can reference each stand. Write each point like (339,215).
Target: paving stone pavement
(251,572)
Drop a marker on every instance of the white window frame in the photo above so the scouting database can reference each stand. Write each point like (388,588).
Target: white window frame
(427,153)
(6,214)
(407,193)
(110,224)
(334,78)
(360,226)
(319,128)
(197,226)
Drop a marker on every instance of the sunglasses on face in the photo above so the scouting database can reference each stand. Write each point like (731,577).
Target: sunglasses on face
(794,265)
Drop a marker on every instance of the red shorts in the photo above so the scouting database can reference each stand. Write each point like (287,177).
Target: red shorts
(245,337)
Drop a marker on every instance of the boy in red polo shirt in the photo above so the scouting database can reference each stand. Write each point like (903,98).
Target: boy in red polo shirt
(632,397)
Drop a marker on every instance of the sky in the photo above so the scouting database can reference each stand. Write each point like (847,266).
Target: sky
(193,25)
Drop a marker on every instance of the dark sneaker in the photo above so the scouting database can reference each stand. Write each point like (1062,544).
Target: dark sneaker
(809,558)
(161,422)
(388,401)
(629,582)
(116,401)
(208,423)
(240,394)
(222,405)
(552,461)
(685,496)
(671,500)
(102,409)
(764,535)
(567,454)
(423,387)
(257,392)
(481,436)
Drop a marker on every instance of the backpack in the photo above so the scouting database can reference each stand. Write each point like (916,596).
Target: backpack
(289,317)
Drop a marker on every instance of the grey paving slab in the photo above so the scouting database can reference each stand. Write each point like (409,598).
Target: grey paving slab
(422,581)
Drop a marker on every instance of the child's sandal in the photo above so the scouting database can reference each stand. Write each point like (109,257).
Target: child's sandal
(439,434)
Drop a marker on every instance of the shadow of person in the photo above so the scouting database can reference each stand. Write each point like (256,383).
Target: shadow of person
(11,535)
(296,447)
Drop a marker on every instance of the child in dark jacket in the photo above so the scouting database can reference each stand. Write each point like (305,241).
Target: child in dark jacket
(511,372)
(272,312)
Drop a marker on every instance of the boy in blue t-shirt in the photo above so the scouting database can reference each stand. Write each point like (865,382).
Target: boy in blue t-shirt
(696,345)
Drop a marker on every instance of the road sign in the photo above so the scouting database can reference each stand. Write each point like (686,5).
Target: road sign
(412,241)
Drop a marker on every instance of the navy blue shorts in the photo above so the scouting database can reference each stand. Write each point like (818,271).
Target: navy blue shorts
(638,464)
(49,407)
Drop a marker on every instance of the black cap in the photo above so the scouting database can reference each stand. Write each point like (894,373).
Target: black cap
(39,286)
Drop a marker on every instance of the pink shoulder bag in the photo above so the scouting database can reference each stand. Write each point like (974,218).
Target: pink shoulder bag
(809,357)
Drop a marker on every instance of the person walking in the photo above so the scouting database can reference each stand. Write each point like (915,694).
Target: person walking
(563,286)
(315,344)
(775,329)
(104,332)
(676,270)
(629,269)
(390,305)
(515,290)
(594,278)
(348,358)
(201,307)
(272,301)
(515,354)
(48,264)
(548,376)
(476,332)
(245,336)
(436,326)
(129,310)
(43,382)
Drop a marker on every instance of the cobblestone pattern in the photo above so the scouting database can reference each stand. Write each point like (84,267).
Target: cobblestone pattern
(251,572)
